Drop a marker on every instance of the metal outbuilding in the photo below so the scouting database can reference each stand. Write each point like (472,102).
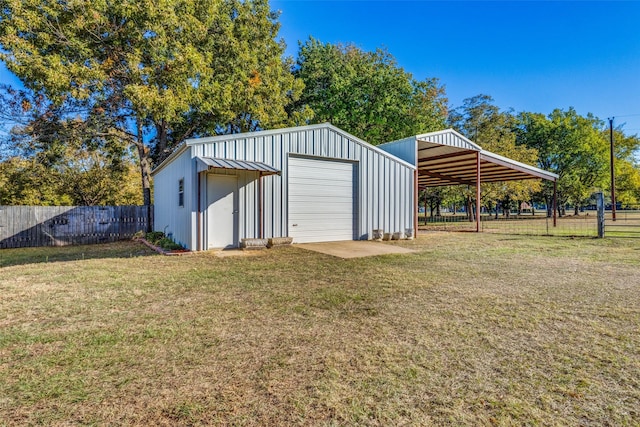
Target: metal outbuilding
(448,158)
(312,183)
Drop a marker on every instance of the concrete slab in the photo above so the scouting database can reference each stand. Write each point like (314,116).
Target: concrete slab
(354,248)
(225,253)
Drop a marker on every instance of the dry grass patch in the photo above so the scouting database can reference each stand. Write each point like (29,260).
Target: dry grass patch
(471,330)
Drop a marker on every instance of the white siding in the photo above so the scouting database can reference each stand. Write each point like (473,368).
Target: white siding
(405,149)
(449,137)
(168,216)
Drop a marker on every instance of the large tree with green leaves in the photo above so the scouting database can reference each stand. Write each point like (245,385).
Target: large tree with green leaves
(480,120)
(367,93)
(571,145)
(54,157)
(156,71)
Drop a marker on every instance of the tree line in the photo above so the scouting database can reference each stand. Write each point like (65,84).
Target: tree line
(108,90)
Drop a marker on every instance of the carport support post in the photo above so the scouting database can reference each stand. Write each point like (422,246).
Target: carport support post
(260,206)
(415,198)
(477,191)
(555,202)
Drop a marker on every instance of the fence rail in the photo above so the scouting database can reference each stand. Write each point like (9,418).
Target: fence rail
(31,226)
(626,224)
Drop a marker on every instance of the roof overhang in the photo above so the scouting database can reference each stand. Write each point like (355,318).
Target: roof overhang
(448,158)
(211,163)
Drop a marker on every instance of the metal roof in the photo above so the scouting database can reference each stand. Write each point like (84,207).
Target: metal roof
(289,130)
(207,163)
(448,158)
(274,132)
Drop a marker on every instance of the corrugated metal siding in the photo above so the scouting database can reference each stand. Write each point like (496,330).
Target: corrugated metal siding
(383,205)
(406,149)
(451,138)
(168,216)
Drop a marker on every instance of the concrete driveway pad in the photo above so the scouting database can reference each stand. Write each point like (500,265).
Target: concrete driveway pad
(354,248)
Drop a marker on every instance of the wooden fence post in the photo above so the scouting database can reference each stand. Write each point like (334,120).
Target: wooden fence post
(600,207)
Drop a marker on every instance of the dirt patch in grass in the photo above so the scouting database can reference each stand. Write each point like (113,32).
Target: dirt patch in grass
(469,330)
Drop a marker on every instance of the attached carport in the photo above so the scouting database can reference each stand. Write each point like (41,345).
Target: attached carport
(448,158)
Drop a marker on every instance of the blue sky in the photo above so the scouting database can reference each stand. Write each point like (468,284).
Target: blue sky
(530,56)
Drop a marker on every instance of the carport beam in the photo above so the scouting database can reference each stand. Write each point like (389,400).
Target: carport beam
(477,191)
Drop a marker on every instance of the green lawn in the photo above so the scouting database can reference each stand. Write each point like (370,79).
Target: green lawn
(474,329)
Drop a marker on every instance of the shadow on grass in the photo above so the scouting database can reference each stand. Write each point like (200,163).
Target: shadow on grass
(23,256)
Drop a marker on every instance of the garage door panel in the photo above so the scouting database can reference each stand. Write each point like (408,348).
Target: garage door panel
(311,178)
(319,183)
(320,166)
(317,192)
(332,212)
(321,200)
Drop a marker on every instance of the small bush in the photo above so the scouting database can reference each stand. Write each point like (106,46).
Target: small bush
(168,244)
(159,239)
(154,237)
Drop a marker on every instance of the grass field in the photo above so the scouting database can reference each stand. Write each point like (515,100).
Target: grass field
(473,329)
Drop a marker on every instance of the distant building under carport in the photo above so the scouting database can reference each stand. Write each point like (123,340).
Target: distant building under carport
(448,158)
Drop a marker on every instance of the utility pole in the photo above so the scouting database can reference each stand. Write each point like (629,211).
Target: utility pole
(613,174)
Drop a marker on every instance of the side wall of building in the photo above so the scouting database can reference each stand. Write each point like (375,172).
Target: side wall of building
(169,217)
(405,149)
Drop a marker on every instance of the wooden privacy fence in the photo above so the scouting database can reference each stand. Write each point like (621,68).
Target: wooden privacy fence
(30,226)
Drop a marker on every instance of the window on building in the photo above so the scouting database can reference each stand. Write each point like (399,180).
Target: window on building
(181,192)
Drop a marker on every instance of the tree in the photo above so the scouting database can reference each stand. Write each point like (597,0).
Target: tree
(480,120)
(367,93)
(570,145)
(627,183)
(56,158)
(433,197)
(156,72)
(626,167)
(27,182)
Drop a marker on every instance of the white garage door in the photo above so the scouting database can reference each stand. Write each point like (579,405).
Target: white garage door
(321,200)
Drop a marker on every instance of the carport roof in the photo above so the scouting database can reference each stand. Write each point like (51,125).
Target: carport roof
(448,158)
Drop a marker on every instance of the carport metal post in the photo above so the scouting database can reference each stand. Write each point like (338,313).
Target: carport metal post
(477,192)
(555,201)
(415,198)
(260,213)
